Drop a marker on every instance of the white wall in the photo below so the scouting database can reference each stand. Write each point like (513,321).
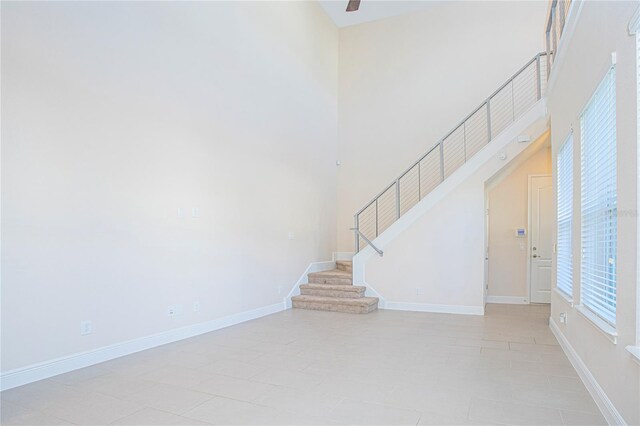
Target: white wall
(508,199)
(601,29)
(406,81)
(114,116)
(434,255)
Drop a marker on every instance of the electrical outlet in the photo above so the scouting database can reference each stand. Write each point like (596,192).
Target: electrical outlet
(196,306)
(280,289)
(85,327)
(195,212)
(171,310)
(419,291)
(291,235)
(563,317)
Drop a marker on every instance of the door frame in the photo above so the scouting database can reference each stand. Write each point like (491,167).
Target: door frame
(485,257)
(529,197)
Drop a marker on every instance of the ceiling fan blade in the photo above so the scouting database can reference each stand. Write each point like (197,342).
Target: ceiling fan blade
(353,5)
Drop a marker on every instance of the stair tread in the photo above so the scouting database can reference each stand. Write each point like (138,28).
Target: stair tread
(363,301)
(337,287)
(333,273)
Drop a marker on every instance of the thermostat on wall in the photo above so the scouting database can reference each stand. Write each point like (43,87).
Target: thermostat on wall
(521,233)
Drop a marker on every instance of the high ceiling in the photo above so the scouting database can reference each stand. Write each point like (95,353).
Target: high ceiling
(371,10)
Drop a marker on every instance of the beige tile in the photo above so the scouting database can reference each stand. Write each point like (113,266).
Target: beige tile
(347,389)
(81,375)
(569,384)
(292,379)
(295,419)
(298,401)
(305,367)
(117,384)
(548,339)
(177,376)
(168,398)
(512,355)
(186,359)
(429,398)
(358,412)
(487,411)
(152,417)
(293,362)
(544,397)
(231,387)
(582,419)
(508,338)
(510,376)
(436,419)
(528,366)
(479,343)
(13,414)
(91,408)
(229,367)
(223,411)
(537,348)
(559,369)
(40,395)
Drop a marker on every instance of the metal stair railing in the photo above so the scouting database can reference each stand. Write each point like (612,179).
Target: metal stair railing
(517,95)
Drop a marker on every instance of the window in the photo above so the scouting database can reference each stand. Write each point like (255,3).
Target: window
(599,202)
(565,218)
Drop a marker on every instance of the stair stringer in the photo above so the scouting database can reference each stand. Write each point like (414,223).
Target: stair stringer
(533,124)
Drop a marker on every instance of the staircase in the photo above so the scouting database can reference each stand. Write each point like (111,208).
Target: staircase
(334,291)
(501,109)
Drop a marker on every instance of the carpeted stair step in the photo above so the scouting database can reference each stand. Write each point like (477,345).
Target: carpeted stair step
(328,290)
(361,305)
(344,265)
(334,277)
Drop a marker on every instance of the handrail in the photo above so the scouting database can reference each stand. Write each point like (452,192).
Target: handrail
(380,252)
(492,109)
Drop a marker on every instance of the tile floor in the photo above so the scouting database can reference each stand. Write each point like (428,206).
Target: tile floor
(308,367)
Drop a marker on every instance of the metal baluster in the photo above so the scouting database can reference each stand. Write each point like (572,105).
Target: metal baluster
(513,104)
(441,162)
(538,77)
(488,120)
(419,182)
(356,219)
(464,139)
(377,216)
(398,198)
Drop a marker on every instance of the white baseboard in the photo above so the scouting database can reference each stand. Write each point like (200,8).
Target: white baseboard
(443,309)
(44,370)
(313,267)
(603,402)
(510,300)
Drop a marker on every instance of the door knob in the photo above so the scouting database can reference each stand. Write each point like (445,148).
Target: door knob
(535,255)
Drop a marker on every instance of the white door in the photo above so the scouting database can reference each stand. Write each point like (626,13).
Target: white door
(541,248)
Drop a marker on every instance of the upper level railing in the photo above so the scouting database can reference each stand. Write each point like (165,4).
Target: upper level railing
(556,20)
(502,108)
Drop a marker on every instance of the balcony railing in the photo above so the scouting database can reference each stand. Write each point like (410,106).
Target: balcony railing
(556,20)
(502,108)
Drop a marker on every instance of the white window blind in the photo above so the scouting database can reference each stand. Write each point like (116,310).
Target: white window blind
(599,201)
(565,217)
